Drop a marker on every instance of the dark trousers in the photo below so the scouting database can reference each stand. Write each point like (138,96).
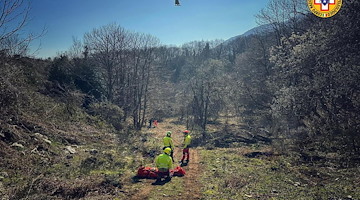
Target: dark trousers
(162,173)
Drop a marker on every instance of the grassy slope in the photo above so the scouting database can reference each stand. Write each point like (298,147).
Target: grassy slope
(231,175)
(100,166)
(227,173)
(45,170)
(49,123)
(187,187)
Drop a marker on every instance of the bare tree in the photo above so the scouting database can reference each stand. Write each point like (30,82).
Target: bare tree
(14,15)
(126,60)
(77,49)
(142,58)
(205,90)
(105,44)
(14,45)
(283,16)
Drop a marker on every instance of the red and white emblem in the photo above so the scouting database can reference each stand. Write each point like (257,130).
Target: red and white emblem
(324,8)
(324,4)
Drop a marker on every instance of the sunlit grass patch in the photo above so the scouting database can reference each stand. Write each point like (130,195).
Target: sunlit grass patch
(231,175)
(174,188)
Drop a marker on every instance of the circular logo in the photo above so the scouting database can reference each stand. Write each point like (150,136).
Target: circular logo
(324,8)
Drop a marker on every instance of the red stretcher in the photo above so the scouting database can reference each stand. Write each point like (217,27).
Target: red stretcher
(150,172)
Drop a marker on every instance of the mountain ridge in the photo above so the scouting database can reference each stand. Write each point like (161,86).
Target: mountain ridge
(265,28)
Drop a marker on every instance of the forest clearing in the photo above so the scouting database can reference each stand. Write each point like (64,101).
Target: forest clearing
(271,114)
(238,173)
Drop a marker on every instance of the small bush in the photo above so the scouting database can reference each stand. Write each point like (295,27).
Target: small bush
(8,97)
(11,95)
(111,113)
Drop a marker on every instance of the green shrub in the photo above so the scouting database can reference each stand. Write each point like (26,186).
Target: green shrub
(111,113)
(8,97)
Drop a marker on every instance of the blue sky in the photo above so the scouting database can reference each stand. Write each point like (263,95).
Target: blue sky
(173,25)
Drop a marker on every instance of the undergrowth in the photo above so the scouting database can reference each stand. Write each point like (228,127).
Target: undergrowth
(231,175)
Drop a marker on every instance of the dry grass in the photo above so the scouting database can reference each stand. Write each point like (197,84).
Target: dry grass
(232,175)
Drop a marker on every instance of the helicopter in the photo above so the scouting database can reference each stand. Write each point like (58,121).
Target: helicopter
(177,3)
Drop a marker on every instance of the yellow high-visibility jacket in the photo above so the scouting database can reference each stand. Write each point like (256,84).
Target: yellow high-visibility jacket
(168,142)
(164,161)
(187,141)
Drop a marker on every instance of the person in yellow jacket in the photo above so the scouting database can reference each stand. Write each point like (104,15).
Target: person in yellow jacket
(164,163)
(168,143)
(187,142)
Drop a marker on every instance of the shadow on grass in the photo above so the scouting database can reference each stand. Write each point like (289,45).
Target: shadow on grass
(162,182)
(136,179)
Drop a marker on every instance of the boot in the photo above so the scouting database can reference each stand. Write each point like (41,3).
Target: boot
(157,182)
(167,179)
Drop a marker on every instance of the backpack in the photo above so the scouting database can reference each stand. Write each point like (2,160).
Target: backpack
(178,171)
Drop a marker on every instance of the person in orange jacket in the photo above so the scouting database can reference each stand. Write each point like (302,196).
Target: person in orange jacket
(155,123)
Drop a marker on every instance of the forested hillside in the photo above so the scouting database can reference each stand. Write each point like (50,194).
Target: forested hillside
(284,101)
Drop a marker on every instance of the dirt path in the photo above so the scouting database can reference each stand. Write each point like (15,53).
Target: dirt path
(192,184)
